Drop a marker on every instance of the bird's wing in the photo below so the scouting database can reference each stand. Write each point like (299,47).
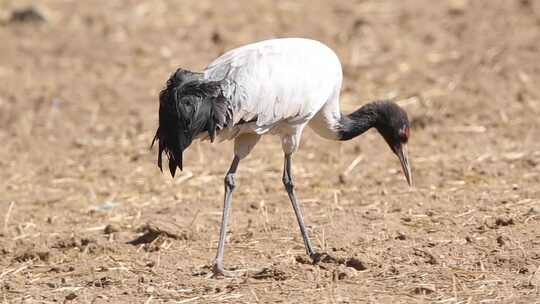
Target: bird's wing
(270,83)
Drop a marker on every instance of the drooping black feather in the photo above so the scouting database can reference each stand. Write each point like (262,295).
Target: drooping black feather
(188,106)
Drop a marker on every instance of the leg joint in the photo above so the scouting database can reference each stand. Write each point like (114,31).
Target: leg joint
(229,181)
(288,182)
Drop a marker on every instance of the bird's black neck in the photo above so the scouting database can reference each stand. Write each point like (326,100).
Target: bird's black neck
(358,122)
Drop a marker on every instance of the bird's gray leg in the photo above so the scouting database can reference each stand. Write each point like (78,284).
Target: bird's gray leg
(289,186)
(217,266)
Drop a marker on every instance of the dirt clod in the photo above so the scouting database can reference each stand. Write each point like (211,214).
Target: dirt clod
(271,273)
(32,254)
(504,221)
(355,263)
(500,240)
(400,236)
(324,258)
(101,282)
(302,259)
(151,232)
(423,290)
(338,275)
(29,14)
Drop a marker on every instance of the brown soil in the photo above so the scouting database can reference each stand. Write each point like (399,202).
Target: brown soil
(88,218)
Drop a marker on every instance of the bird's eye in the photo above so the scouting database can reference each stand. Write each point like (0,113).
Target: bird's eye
(404,134)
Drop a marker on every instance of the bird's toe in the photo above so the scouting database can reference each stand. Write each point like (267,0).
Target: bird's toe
(220,272)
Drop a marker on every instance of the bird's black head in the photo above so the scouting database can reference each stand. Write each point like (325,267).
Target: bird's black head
(393,124)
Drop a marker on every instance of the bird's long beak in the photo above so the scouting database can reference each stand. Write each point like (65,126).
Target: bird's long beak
(403,155)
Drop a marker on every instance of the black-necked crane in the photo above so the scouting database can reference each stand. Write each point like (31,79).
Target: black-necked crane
(270,87)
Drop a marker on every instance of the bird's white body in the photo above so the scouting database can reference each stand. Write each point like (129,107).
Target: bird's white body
(280,86)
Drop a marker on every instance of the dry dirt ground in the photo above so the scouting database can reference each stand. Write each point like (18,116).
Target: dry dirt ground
(79,185)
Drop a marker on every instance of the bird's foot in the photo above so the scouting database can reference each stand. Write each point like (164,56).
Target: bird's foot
(219,272)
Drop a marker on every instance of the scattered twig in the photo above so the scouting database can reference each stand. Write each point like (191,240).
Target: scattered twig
(149,299)
(13,270)
(69,288)
(408,101)
(188,300)
(354,163)
(96,228)
(469,129)
(8,214)
(465,213)
(184,177)
(194,218)
(530,283)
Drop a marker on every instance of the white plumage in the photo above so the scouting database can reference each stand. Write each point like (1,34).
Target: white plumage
(281,84)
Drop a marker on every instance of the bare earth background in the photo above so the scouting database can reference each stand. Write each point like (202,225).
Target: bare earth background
(78,110)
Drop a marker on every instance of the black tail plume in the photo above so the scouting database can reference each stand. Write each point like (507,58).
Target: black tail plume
(188,106)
